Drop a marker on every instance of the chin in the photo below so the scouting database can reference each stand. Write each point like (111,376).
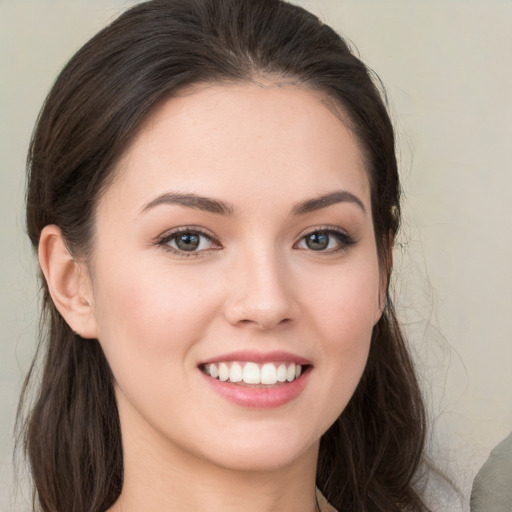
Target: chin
(260,452)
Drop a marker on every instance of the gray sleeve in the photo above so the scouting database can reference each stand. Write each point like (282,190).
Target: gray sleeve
(492,487)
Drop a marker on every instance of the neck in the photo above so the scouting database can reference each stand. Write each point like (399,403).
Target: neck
(160,477)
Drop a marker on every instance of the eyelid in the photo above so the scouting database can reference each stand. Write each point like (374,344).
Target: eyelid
(164,239)
(346,239)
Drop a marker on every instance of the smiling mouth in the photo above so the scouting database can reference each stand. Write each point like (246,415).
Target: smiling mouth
(251,373)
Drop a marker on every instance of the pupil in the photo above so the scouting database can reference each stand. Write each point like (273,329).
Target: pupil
(187,242)
(318,241)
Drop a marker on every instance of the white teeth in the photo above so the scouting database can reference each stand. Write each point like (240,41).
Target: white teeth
(223,372)
(290,373)
(235,373)
(281,372)
(252,373)
(268,374)
(214,371)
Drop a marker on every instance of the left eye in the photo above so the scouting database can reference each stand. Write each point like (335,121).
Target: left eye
(325,240)
(188,241)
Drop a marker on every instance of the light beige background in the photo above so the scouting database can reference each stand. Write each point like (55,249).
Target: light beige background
(447,67)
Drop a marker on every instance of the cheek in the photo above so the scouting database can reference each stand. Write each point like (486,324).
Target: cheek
(344,312)
(348,332)
(141,317)
(347,305)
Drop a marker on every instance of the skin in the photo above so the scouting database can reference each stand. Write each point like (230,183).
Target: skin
(255,286)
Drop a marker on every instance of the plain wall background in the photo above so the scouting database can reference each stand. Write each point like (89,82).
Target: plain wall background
(447,69)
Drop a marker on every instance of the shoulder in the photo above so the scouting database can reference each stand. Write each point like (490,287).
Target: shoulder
(492,488)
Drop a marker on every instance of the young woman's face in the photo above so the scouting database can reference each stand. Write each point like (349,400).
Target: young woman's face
(236,244)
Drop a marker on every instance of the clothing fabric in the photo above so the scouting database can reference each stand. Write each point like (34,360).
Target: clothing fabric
(492,488)
(324,505)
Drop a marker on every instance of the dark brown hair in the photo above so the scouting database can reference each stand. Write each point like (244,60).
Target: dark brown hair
(369,456)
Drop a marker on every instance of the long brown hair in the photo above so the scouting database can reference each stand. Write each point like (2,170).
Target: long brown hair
(370,455)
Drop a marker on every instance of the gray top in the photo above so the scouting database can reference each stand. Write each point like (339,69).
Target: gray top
(492,487)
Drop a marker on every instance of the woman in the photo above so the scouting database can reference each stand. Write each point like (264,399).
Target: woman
(213,195)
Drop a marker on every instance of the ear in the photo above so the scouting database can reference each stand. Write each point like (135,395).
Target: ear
(68,282)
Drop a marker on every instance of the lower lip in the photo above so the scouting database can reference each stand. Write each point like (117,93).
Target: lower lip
(260,398)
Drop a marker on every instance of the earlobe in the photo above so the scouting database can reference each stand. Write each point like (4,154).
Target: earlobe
(68,282)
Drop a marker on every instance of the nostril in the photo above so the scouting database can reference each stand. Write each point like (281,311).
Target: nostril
(284,322)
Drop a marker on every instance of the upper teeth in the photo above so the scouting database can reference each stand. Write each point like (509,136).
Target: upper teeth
(252,373)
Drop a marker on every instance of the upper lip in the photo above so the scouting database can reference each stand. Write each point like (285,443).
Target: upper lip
(258,357)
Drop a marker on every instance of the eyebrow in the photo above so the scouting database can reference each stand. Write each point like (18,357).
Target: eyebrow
(195,201)
(211,205)
(325,200)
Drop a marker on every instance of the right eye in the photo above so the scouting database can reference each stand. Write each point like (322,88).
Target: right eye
(187,242)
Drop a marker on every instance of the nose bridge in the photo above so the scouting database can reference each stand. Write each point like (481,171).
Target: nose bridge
(260,293)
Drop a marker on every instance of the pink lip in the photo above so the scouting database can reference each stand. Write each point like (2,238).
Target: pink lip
(259,357)
(266,397)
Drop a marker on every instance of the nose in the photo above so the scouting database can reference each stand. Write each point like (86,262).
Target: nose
(261,293)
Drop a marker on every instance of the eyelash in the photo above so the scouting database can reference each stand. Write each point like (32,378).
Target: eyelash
(168,237)
(345,240)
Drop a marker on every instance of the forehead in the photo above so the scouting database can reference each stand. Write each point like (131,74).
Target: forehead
(245,141)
